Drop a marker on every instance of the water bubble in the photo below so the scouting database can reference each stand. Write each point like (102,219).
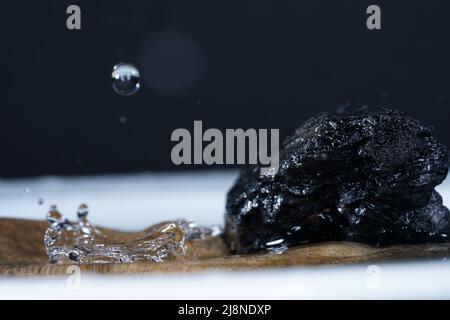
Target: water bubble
(74,256)
(82,211)
(125,79)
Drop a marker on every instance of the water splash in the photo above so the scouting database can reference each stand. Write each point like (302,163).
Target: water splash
(81,242)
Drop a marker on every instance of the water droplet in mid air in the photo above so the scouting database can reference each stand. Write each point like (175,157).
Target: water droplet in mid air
(83,211)
(125,79)
(40,201)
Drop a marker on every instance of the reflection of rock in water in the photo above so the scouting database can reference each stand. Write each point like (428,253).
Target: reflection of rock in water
(360,174)
(80,242)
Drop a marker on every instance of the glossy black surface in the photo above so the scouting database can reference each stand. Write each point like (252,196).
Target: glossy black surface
(360,174)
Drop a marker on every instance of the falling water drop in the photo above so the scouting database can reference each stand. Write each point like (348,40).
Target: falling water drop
(125,79)
(82,211)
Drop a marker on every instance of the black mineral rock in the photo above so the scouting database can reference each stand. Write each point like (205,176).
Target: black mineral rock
(360,174)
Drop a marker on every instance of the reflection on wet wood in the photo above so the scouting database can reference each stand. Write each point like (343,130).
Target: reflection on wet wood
(22,253)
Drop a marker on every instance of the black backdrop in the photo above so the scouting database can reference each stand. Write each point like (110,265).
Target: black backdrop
(258,63)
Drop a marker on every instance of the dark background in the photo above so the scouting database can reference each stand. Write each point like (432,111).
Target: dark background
(259,64)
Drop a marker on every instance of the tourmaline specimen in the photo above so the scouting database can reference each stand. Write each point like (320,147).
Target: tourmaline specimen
(360,174)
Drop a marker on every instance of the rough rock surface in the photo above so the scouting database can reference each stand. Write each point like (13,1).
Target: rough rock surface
(361,174)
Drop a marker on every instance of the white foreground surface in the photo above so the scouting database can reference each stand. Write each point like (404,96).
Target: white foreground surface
(132,202)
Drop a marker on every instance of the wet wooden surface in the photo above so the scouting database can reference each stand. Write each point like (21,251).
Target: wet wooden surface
(22,254)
